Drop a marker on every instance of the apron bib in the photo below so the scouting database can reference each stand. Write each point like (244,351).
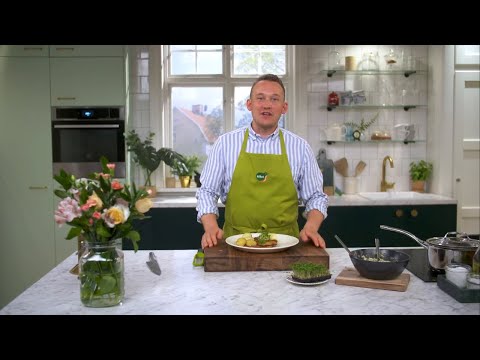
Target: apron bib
(262,192)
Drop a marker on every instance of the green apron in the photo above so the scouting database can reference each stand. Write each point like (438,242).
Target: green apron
(262,192)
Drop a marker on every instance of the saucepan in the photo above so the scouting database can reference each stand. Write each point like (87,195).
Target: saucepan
(377,264)
(454,247)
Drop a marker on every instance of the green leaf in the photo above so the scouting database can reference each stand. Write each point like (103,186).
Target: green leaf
(133,235)
(74,232)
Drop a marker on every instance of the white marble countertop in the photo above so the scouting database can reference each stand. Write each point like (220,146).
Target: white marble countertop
(185,289)
(187,199)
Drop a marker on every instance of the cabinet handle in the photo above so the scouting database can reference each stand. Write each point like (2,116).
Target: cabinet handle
(66,98)
(33,48)
(64,48)
(399,213)
(38,187)
(414,213)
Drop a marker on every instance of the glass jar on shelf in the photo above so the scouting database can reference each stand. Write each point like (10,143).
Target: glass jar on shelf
(334,60)
(391,60)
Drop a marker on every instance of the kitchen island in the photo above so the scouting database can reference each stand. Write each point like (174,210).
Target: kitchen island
(185,289)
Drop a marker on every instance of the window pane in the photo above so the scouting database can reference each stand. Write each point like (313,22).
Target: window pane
(259,59)
(183,63)
(197,119)
(196,59)
(209,63)
(243,116)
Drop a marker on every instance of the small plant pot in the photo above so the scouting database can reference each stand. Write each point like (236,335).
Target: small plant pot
(185,181)
(418,186)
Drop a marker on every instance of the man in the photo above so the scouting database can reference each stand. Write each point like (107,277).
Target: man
(260,172)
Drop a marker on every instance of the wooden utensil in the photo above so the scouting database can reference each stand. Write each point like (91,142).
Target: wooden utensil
(341,165)
(360,166)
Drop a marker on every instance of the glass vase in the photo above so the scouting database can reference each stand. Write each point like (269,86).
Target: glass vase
(102,274)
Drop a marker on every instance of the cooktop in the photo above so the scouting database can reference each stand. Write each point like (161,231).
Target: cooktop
(419,265)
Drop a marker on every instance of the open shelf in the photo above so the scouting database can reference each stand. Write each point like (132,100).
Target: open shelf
(330,142)
(362,106)
(404,72)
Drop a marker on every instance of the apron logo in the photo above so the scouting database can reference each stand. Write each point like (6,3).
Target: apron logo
(261,176)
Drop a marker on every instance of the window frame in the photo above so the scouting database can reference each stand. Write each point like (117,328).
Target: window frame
(161,100)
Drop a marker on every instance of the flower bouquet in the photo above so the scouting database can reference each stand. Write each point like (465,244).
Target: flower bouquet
(101,211)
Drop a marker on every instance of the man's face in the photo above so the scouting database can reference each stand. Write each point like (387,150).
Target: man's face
(267,104)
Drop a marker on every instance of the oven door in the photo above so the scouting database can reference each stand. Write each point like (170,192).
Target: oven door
(78,146)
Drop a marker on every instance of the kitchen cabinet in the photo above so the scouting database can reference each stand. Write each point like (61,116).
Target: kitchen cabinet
(87,81)
(466,150)
(358,226)
(87,50)
(170,229)
(467,55)
(28,244)
(23,50)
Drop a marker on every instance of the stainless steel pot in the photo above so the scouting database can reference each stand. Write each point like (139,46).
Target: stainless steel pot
(445,250)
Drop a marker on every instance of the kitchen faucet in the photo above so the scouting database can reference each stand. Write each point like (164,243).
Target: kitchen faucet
(384,185)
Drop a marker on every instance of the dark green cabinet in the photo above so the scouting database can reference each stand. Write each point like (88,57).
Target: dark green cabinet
(170,229)
(357,226)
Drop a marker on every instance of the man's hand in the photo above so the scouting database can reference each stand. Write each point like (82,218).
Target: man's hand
(212,232)
(310,230)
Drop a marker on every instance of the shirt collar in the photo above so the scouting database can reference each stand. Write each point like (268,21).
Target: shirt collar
(253,135)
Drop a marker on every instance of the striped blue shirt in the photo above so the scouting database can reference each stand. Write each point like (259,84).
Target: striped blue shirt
(217,173)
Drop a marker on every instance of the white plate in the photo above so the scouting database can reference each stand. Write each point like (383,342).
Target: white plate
(289,279)
(283,243)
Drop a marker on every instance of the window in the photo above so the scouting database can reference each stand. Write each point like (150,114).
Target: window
(206,88)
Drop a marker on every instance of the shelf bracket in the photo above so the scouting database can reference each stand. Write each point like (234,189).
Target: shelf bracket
(331,72)
(408,73)
(408,107)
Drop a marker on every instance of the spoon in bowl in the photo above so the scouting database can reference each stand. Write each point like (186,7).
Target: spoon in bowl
(377,248)
(343,245)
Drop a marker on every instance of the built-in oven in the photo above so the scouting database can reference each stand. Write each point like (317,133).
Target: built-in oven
(82,135)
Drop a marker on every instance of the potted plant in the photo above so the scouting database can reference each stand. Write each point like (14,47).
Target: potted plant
(149,158)
(420,172)
(186,168)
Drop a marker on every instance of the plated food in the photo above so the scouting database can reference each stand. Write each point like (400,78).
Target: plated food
(283,242)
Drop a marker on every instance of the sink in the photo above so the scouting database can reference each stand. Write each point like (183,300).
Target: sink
(394,195)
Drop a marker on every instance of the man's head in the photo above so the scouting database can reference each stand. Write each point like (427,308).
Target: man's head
(268,77)
(267,103)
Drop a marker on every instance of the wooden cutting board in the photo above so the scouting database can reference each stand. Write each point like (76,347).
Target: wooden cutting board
(224,257)
(350,276)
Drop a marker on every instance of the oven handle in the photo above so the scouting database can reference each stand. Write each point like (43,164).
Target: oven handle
(98,126)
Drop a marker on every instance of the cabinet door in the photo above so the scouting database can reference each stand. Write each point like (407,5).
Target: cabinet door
(467,54)
(358,226)
(86,50)
(26,223)
(170,229)
(87,81)
(467,150)
(23,50)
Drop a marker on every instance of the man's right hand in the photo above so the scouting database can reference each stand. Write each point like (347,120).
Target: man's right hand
(212,232)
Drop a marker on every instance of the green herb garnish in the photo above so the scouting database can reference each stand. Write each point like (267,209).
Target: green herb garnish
(308,270)
(264,235)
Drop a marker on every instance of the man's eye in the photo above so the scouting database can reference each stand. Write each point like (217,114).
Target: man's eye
(260,98)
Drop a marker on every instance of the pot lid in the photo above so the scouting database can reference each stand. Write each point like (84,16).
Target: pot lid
(459,242)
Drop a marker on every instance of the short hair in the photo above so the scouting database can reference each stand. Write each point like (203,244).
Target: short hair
(268,77)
